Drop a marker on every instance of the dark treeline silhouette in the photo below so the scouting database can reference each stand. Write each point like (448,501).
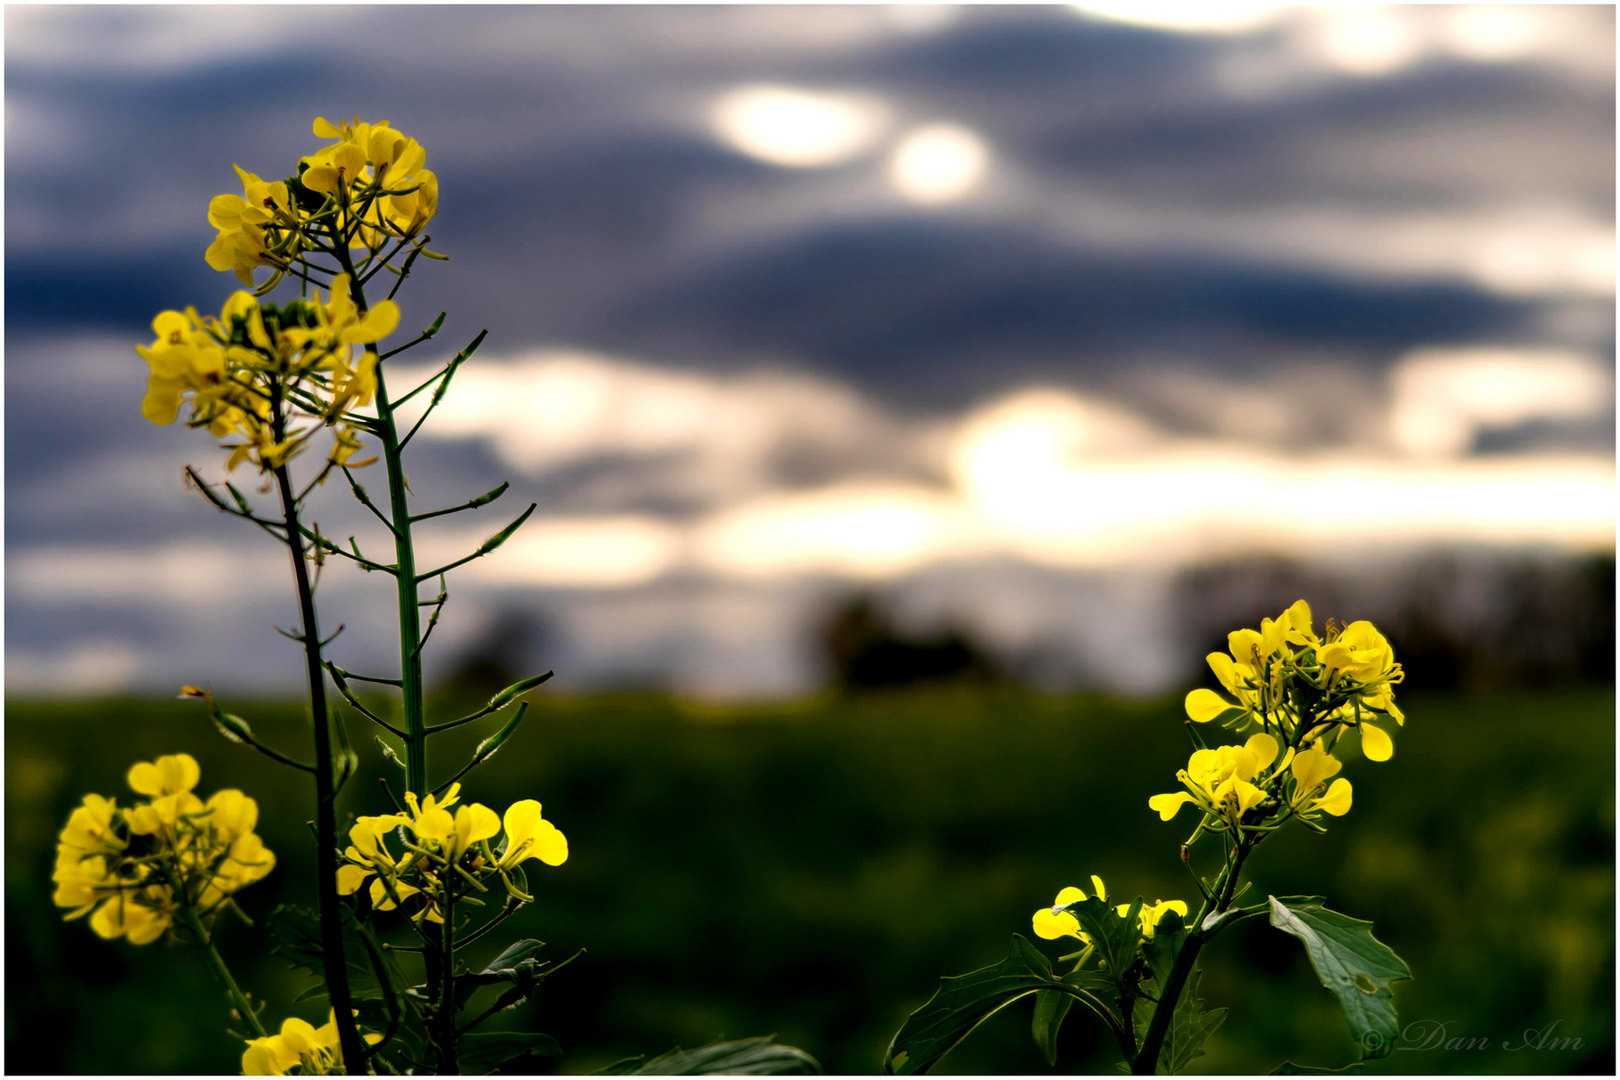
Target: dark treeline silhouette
(864,649)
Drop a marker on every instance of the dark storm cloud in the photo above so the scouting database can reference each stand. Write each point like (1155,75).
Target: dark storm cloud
(947,313)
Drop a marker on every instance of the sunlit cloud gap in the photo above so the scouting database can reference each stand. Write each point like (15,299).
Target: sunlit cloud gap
(798,128)
(938,164)
(1046,476)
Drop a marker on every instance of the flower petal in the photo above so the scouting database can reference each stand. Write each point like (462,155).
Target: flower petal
(1205,705)
(1376,743)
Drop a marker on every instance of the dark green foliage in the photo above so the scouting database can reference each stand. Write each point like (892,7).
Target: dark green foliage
(812,870)
(962,1003)
(744,1057)
(486,1051)
(1051,1009)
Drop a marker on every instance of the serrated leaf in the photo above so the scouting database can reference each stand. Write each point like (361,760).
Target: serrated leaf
(1190,1026)
(1354,965)
(1115,939)
(1051,1009)
(742,1057)
(295,935)
(1288,1068)
(486,1051)
(962,1003)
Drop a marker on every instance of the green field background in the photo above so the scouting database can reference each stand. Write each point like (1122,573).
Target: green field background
(813,870)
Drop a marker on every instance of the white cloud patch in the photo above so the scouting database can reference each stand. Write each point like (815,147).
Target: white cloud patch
(1444,398)
(1049,477)
(691,436)
(85,669)
(798,128)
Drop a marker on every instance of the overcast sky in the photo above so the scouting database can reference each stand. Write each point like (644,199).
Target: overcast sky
(1011,313)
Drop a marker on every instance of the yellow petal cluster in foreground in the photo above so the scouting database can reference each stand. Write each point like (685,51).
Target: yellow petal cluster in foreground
(133,870)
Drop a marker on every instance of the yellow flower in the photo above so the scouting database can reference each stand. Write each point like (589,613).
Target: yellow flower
(530,836)
(1152,913)
(142,915)
(1312,768)
(191,854)
(433,823)
(1360,651)
(415,209)
(232,814)
(163,813)
(374,160)
(1050,925)
(300,1045)
(367,854)
(1219,779)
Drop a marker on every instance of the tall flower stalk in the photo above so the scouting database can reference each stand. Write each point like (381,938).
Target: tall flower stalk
(294,392)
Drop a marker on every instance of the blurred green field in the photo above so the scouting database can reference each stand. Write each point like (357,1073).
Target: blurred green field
(813,870)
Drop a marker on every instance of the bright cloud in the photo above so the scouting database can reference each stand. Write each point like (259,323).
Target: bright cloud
(1050,477)
(798,128)
(938,164)
(708,438)
(1442,398)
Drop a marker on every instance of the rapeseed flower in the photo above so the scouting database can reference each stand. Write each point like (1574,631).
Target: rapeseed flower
(313,1051)
(134,869)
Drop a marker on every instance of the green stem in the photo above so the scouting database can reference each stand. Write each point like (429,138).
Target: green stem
(1147,1059)
(188,915)
(410,624)
(446,1017)
(332,960)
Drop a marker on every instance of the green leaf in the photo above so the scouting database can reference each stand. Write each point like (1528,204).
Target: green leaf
(1051,1008)
(518,955)
(743,1057)
(1288,1068)
(295,935)
(1115,939)
(963,1003)
(486,1051)
(1190,1026)
(517,965)
(1356,966)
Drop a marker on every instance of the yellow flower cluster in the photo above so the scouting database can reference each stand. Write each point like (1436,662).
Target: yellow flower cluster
(1303,692)
(442,842)
(1051,923)
(1228,781)
(1289,682)
(247,371)
(137,868)
(300,1045)
(369,187)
